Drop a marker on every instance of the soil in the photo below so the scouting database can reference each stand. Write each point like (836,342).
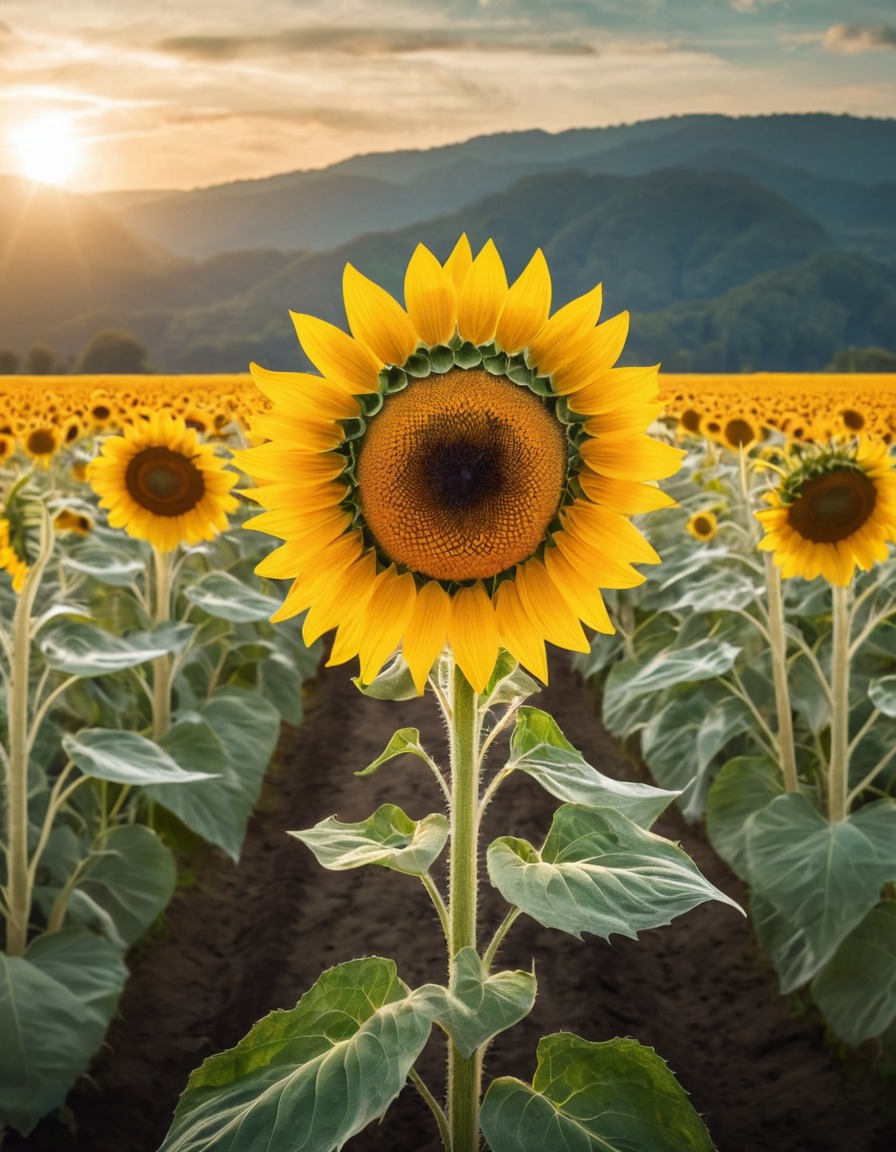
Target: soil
(241,941)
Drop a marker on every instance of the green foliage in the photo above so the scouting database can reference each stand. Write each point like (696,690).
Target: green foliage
(389,838)
(112,351)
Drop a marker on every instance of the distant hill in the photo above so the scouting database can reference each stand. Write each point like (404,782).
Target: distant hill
(733,249)
(320,209)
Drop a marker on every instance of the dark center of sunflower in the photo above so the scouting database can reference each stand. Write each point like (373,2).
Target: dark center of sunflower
(740,433)
(164,482)
(460,475)
(833,506)
(42,442)
(702,526)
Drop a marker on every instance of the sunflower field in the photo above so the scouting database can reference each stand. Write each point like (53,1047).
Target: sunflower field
(467,481)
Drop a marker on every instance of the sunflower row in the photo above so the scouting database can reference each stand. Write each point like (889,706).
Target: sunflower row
(738,411)
(40,415)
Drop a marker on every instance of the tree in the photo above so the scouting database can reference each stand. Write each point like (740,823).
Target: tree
(9,362)
(117,352)
(863,360)
(41,361)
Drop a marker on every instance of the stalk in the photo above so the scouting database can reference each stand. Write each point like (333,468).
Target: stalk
(838,769)
(786,751)
(17,863)
(161,665)
(464,1073)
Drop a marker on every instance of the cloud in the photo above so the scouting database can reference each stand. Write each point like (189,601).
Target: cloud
(364,42)
(859,38)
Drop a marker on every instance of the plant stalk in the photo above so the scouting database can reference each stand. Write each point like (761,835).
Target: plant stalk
(464,1073)
(784,735)
(838,768)
(161,665)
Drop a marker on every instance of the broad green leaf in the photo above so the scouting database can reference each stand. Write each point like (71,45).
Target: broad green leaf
(883,694)
(508,683)
(234,736)
(124,758)
(280,681)
(823,877)
(393,683)
(616,1096)
(784,942)
(856,989)
(389,838)
(478,1006)
(539,748)
(79,649)
(703,660)
(742,788)
(598,872)
(405,742)
(223,595)
(131,875)
(308,1079)
(55,1006)
(109,565)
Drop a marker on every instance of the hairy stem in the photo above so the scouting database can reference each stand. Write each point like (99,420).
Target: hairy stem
(838,768)
(161,665)
(786,752)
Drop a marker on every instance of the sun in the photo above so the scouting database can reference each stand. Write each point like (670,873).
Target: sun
(47,148)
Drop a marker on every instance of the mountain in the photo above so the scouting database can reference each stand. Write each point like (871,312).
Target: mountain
(315,210)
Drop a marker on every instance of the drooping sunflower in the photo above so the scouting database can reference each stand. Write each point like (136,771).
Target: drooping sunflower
(834,511)
(461,472)
(160,484)
(10,559)
(703,525)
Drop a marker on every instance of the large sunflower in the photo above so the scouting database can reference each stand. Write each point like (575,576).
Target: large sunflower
(462,470)
(158,483)
(835,510)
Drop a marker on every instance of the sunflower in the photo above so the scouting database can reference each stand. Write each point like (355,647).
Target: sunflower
(461,472)
(160,484)
(703,525)
(835,510)
(42,443)
(70,520)
(10,560)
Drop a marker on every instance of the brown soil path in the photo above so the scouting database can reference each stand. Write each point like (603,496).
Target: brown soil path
(245,940)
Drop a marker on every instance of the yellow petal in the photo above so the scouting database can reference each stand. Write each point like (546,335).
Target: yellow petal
(517,633)
(597,564)
(580,592)
(325,524)
(605,529)
(526,307)
(276,463)
(632,458)
(629,421)
(482,296)
(458,263)
(378,321)
(427,631)
(387,613)
(597,354)
(305,393)
(333,597)
(557,622)
(292,559)
(430,297)
(308,435)
(551,345)
(334,353)
(608,389)
(629,497)
(473,634)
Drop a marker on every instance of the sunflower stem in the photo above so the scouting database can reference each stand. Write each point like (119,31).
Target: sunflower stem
(778,644)
(19,883)
(838,768)
(161,665)
(464,1073)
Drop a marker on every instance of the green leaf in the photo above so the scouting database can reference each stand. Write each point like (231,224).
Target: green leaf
(479,1006)
(883,694)
(108,564)
(703,660)
(742,788)
(131,875)
(822,877)
(856,989)
(124,758)
(308,1079)
(598,872)
(222,595)
(508,683)
(79,649)
(615,1096)
(539,748)
(405,742)
(55,1006)
(784,942)
(280,681)
(389,838)
(234,735)
(393,683)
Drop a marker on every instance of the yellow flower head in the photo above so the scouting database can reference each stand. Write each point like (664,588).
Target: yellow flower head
(462,470)
(158,483)
(836,510)
(10,560)
(70,520)
(703,525)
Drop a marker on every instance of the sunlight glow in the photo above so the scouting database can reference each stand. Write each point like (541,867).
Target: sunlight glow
(47,148)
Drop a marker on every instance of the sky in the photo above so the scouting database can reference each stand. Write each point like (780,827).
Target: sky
(101,95)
